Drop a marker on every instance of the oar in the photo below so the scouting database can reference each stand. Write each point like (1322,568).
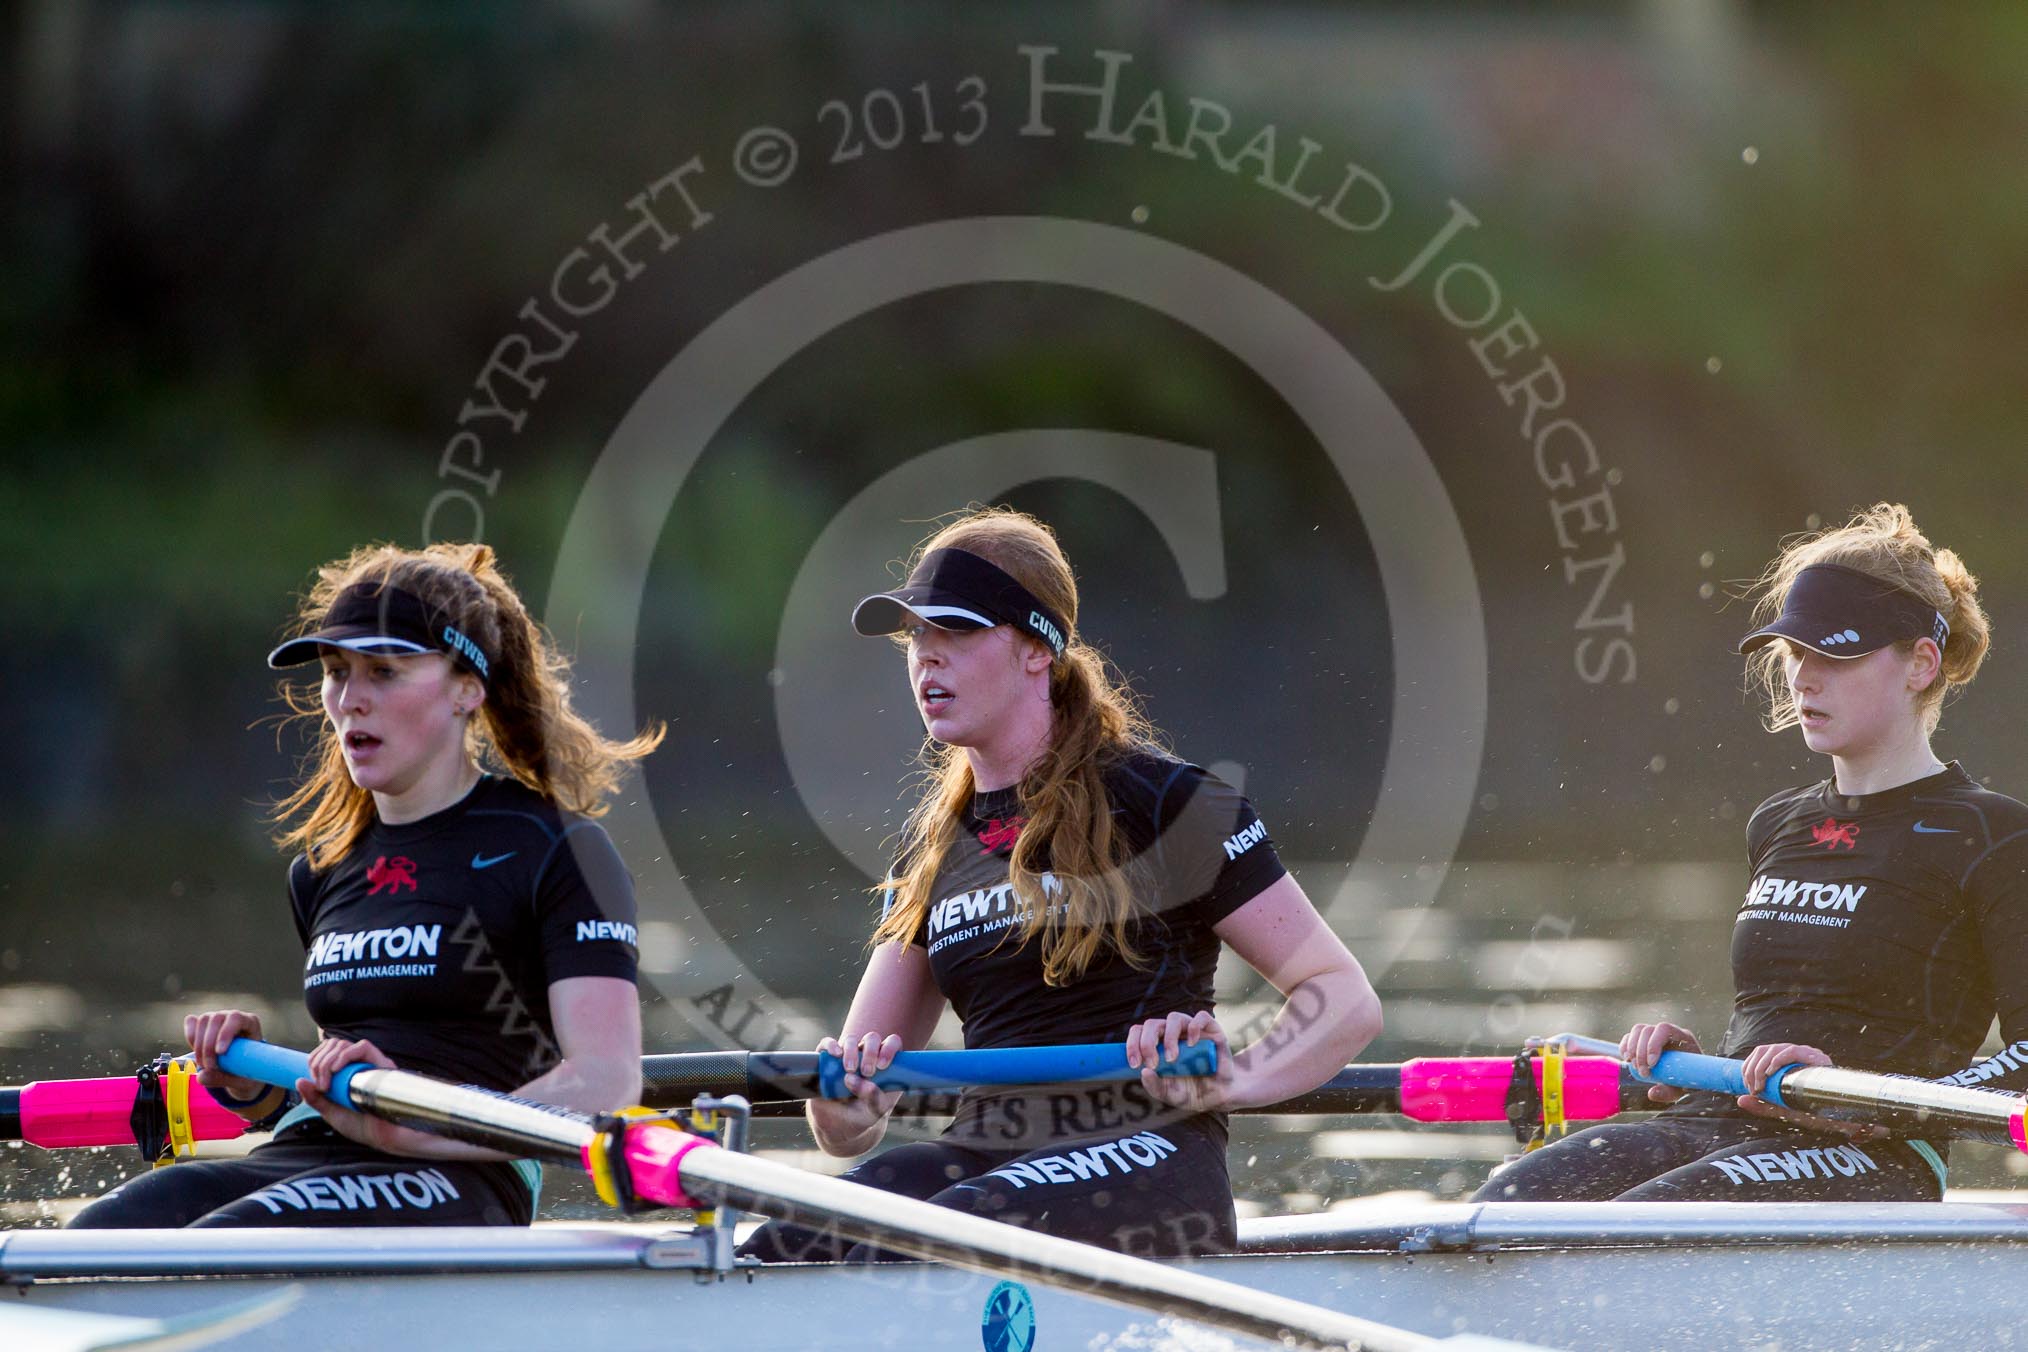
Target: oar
(1097,1062)
(774,1077)
(674,1168)
(116,1110)
(1427,1089)
(1857,1095)
(55,1113)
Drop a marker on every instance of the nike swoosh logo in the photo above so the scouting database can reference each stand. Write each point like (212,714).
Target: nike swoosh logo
(480,861)
(1936,830)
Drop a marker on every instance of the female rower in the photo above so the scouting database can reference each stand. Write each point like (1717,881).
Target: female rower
(1062,880)
(1887,919)
(468,925)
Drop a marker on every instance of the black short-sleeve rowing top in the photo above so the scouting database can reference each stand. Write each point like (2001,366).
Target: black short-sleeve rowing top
(1887,929)
(1199,853)
(437,940)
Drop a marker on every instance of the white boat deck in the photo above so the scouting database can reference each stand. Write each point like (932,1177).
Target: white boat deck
(1776,1276)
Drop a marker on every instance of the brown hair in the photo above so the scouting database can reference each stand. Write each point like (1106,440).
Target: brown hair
(1884,543)
(1063,795)
(526,726)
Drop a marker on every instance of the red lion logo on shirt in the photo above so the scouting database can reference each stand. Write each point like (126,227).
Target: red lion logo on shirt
(390,875)
(1831,833)
(1001,834)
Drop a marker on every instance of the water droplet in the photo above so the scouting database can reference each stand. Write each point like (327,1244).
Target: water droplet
(1671,705)
(1706,559)
(1751,155)
(1713,365)
(1706,590)
(1140,215)
(1658,764)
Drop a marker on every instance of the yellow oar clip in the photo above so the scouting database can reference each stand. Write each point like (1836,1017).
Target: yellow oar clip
(605,1168)
(182,1140)
(1554,1123)
(1544,1102)
(706,1124)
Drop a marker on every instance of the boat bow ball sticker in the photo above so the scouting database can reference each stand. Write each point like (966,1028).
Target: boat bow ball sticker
(1008,1325)
(1426,790)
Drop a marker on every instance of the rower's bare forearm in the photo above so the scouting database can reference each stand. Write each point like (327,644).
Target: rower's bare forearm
(416,1143)
(587,1084)
(842,1133)
(1324,1023)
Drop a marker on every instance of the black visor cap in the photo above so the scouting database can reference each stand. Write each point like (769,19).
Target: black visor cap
(956,590)
(369,618)
(1842,612)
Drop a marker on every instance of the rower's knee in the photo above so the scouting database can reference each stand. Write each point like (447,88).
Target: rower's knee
(153,1201)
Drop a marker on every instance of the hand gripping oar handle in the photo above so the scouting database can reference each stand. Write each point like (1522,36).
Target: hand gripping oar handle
(283,1066)
(1695,1070)
(1683,1070)
(1096,1062)
(1901,1102)
(1715,1074)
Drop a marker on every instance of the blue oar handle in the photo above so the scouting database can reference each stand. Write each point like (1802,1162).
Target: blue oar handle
(1693,1070)
(1686,1070)
(1012,1065)
(1773,1092)
(282,1067)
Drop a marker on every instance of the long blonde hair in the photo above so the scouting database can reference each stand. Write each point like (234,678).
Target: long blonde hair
(1884,543)
(1095,721)
(525,728)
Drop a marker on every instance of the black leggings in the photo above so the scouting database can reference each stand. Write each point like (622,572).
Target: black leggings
(311,1176)
(1158,1193)
(1714,1159)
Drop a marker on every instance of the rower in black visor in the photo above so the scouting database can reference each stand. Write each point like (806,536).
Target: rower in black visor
(473,926)
(1885,920)
(1062,880)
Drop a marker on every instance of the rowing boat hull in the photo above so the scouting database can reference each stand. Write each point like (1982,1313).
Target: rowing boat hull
(1792,1276)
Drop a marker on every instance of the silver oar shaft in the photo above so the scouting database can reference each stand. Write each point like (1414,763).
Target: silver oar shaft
(479,1116)
(1895,1102)
(924,1231)
(885,1220)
